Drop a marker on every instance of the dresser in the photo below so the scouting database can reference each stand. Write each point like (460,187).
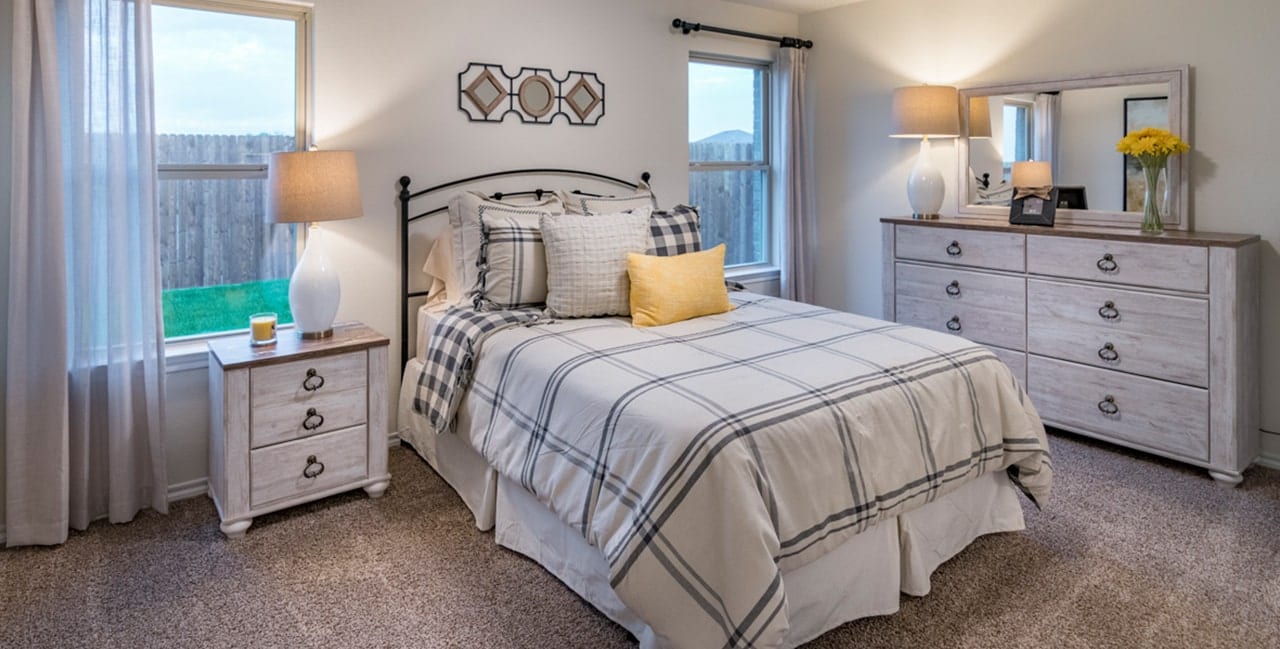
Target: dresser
(295,421)
(1150,342)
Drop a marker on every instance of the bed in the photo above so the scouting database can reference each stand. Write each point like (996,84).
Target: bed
(753,478)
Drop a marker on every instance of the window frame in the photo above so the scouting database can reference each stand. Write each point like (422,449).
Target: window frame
(301,15)
(765,164)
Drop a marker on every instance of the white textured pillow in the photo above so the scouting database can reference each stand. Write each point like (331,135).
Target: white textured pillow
(465,211)
(580,204)
(587,262)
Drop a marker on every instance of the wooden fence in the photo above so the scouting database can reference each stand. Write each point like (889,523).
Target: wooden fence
(215,232)
(727,200)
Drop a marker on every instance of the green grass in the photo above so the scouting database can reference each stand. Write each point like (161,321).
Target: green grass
(210,309)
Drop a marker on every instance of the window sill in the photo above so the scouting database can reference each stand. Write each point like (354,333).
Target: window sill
(753,274)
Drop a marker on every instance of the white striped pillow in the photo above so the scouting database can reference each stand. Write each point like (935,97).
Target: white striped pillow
(512,263)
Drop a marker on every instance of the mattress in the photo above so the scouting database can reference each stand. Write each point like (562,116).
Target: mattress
(428,315)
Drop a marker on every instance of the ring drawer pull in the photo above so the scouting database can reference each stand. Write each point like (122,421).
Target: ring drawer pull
(1109,311)
(1108,353)
(314,380)
(954,323)
(1108,406)
(953,289)
(311,413)
(954,249)
(1108,264)
(314,468)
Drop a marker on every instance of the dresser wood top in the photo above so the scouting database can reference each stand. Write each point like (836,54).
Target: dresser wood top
(236,352)
(1170,237)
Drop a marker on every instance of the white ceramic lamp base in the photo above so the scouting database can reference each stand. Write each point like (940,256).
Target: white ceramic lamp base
(314,290)
(925,187)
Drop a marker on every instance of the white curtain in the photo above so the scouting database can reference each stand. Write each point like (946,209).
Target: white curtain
(793,165)
(1048,112)
(85,349)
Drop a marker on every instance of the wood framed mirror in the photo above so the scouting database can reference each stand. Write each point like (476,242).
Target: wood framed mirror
(1073,123)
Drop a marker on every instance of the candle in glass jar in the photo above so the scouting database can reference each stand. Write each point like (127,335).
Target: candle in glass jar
(262,328)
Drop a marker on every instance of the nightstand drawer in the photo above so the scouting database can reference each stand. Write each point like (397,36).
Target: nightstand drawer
(999,250)
(1183,268)
(308,397)
(1161,336)
(331,460)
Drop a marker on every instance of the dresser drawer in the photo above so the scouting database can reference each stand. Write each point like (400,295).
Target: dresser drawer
(1160,336)
(283,408)
(973,322)
(1182,268)
(1017,361)
(1158,415)
(277,472)
(998,250)
(976,289)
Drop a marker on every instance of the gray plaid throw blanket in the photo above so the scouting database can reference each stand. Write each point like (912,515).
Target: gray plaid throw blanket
(705,458)
(451,357)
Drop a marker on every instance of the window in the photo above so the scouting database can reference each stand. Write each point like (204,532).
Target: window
(230,89)
(1018,129)
(729,157)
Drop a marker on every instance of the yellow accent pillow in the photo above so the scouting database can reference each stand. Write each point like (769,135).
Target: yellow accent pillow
(670,289)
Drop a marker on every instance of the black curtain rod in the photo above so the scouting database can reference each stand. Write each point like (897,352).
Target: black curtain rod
(785,41)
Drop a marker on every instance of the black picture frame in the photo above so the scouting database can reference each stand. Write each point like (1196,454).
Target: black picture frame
(1033,210)
(1072,197)
(1140,112)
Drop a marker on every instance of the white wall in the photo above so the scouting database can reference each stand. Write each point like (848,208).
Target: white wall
(866,49)
(386,87)
(1092,120)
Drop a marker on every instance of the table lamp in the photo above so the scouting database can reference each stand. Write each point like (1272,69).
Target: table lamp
(1032,178)
(925,112)
(311,186)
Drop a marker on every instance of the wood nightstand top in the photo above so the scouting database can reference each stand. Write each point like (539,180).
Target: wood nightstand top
(236,352)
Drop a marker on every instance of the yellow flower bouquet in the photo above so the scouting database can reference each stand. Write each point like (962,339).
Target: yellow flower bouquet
(1152,148)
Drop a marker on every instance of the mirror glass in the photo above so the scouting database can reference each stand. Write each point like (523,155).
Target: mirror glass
(535,96)
(1074,125)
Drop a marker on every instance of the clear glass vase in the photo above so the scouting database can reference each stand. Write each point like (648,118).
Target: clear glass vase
(1151,198)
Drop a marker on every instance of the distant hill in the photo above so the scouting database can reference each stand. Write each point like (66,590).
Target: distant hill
(735,136)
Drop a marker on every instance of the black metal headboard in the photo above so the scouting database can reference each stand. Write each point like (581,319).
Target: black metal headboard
(406,196)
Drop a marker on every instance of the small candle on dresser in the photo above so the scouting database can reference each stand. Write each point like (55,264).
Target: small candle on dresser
(262,329)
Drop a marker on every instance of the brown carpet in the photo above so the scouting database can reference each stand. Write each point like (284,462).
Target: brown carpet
(1133,551)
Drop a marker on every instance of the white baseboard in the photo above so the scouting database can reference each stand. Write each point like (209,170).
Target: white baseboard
(1269,461)
(189,489)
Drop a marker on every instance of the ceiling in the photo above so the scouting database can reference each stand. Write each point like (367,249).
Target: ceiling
(796,6)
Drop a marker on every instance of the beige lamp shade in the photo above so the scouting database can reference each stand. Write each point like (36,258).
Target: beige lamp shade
(926,111)
(1032,173)
(979,117)
(313,186)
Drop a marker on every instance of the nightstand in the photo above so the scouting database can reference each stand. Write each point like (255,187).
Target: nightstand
(295,421)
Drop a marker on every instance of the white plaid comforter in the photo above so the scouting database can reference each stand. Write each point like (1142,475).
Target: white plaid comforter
(704,458)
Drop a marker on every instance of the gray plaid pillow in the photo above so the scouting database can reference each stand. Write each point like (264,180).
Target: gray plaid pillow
(512,266)
(674,232)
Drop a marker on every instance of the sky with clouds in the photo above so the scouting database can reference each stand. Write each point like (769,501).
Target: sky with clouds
(222,73)
(721,98)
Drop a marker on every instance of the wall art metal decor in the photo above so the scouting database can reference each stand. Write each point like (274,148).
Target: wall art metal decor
(486,93)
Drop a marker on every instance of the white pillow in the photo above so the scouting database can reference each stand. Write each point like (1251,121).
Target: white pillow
(587,262)
(439,266)
(580,204)
(465,211)
(513,263)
